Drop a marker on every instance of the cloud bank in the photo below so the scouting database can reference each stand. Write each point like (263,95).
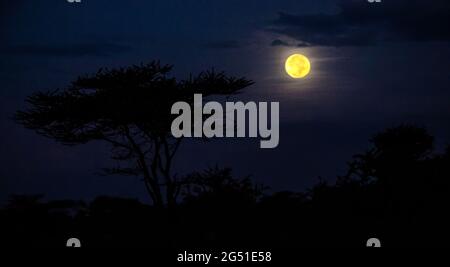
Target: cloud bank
(359,23)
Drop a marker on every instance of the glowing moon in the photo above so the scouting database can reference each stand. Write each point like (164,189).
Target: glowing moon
(298,66)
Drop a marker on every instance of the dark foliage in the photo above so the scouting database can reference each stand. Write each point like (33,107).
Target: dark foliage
(397,191)
(129,108)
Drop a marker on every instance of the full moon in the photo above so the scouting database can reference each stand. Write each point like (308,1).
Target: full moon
(298,66)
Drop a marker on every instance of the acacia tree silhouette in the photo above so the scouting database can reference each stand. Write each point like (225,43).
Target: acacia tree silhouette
(130,109)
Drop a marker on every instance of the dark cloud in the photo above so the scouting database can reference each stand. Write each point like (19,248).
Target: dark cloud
(69,50)
(223,45)
(359,23)
(279,42)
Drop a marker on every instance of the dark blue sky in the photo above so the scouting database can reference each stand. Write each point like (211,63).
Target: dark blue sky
(374,66)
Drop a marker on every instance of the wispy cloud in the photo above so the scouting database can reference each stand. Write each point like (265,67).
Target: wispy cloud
(65,50)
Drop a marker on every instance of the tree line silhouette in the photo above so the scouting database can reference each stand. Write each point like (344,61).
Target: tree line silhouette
(397,190)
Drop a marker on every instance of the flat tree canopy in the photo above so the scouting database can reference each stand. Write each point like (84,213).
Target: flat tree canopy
(130,108)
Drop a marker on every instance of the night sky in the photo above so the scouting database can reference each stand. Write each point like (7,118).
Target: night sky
(374,66)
